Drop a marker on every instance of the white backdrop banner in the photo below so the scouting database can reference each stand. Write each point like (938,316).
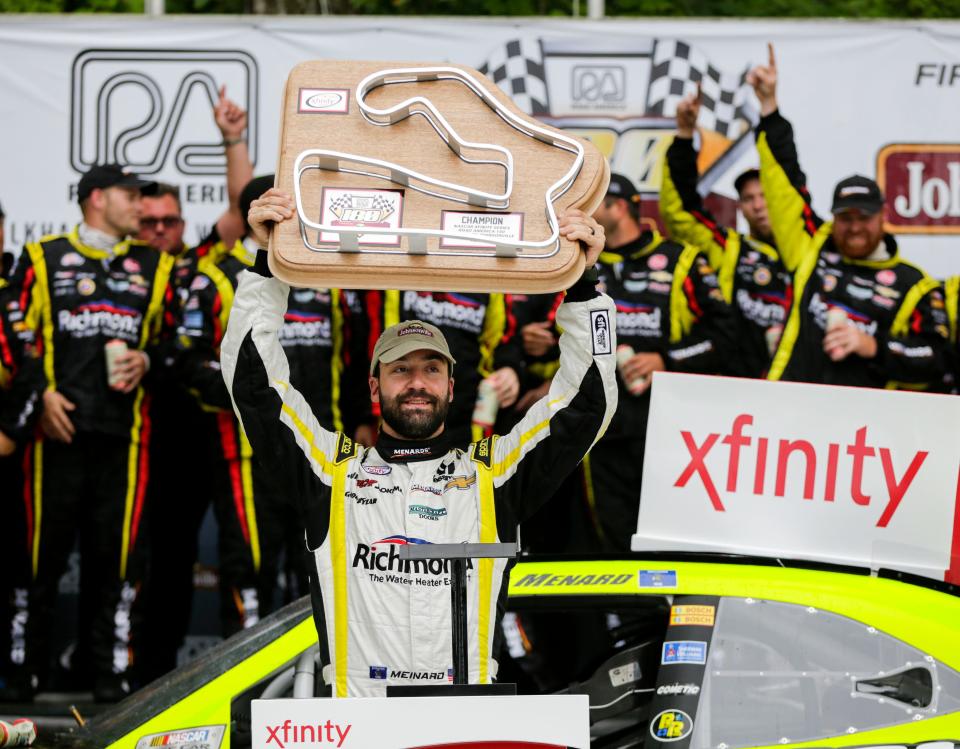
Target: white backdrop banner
(845,475)
(871,98)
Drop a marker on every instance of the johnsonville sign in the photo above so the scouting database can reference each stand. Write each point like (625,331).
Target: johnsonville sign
(921,183)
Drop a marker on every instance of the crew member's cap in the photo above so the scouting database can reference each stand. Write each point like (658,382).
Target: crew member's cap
(621,187)
(399,340)
(857,192)
(103,176)
(747,176)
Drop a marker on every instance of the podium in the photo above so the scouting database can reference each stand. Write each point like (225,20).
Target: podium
(527,722)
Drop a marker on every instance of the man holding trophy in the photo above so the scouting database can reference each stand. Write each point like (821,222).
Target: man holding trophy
(384,620)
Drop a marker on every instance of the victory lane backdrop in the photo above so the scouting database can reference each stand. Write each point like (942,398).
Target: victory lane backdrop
(864,97)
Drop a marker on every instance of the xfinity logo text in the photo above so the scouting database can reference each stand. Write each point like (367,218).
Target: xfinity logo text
(763,456)
(288,733)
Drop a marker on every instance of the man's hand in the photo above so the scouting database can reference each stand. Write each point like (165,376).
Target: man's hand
(230,118)
(642,365)
(7,445)
(538,338)
(843,340)
(54,420)
(577,226)
(506,385)
(270,208)
(763,78)
(129,369)
(687,112)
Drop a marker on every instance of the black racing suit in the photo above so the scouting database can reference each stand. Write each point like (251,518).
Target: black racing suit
(749,271)
(667,302)
(888,298)
(186,436)
(19,396)
(256,524)
(77,298)
(479,330)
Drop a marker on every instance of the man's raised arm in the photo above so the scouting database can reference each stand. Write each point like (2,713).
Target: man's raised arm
(285,435)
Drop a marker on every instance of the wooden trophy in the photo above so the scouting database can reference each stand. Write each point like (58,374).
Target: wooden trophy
(424,177)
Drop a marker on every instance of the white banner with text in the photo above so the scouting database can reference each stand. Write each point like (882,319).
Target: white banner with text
(871,98)
(853,476)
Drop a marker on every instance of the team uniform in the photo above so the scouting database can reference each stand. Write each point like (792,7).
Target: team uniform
(883,295)
(479,328)
(667,302)
(384,621)
(77,298)
(255,520)
(184,436)
(18,410)
(749,271)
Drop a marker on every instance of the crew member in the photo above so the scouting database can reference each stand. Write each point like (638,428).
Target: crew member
(383,621)
(87,471)
(749,271)
(183,434)
(672,316)
(861,314)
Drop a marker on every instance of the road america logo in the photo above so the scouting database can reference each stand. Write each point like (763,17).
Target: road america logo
(140,107)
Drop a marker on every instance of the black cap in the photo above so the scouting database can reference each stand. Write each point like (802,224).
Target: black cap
(621,187)
(857,192)
(102,176)
(253,190)
(2,215)
(748,176)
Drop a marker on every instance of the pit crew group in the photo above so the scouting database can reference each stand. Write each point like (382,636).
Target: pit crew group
(118,429)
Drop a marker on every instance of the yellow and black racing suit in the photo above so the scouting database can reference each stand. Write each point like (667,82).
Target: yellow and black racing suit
(890,299)
(77,298)
(667,302)
(749,271)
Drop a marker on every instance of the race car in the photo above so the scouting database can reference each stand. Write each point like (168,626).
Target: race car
(701,651)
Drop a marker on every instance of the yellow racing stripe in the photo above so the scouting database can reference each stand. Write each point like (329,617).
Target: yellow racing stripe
(338,557)
(133,456)
(249,507)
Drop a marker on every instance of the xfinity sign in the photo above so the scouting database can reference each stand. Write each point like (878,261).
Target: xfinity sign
(852,476)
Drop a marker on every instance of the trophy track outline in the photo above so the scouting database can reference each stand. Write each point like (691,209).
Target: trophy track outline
(417,238)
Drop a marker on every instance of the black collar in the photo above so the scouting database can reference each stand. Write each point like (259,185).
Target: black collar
(395,450)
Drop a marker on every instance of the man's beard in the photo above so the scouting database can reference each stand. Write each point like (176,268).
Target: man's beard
(416,425)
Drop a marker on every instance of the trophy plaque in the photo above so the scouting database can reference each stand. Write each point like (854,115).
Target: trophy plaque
(421,177)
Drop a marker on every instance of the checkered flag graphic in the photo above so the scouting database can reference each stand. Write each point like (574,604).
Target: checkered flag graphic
(517,68)
(727,106)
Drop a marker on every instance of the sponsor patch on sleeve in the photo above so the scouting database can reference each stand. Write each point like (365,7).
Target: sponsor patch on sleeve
(600,332)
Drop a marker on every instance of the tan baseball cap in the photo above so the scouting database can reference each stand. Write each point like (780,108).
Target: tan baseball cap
(399,340)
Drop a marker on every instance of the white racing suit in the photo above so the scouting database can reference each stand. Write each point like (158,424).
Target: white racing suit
(382,620)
